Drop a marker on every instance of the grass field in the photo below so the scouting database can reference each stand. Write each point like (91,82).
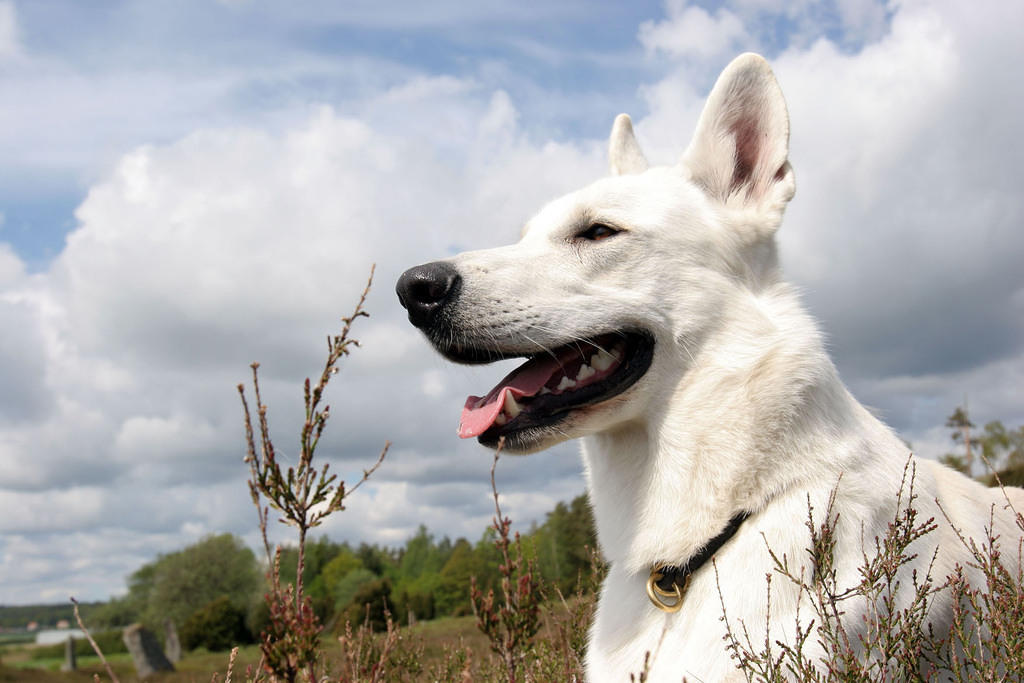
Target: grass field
(431,641)
(16,638)
(198,667)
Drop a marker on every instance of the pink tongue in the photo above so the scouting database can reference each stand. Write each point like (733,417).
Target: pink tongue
(479,413)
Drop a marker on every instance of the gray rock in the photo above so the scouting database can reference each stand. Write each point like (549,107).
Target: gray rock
(146,652)
(70,661)
(172,646)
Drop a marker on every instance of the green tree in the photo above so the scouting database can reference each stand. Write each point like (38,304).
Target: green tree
(418,574)
(561,544)
(452,593)
(217,626)
(1001,446)
(318,555)
(371,604)
(420,556)
(176,585)
(960,423)
(466,561)
(115,613)
(416,599)
(336,570)
(1003,450)
(140,588)
(376,559)
(346,589)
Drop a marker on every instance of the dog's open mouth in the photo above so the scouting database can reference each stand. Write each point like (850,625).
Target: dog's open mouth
(549,385)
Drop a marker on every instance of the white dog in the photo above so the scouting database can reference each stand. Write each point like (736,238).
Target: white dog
(656,326)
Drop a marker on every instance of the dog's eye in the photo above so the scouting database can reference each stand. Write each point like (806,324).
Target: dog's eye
(597,232)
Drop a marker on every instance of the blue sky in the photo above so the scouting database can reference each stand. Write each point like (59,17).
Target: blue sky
(186,187)
(556,60)
(272,59)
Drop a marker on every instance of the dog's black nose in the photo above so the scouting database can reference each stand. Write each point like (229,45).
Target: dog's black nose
(424,290)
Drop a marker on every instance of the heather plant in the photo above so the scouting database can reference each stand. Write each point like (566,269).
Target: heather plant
(893,640)
(291,640)
(370,658)
(986,641)
(558,654)
(511,622)
(304,495)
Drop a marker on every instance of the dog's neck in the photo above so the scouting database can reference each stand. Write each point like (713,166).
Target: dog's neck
(732,435)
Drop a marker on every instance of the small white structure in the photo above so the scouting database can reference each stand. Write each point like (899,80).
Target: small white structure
(51,636)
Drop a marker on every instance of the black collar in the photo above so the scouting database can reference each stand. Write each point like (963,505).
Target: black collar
(676,578)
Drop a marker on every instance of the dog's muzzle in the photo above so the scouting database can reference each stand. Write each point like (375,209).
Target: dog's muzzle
(424,290)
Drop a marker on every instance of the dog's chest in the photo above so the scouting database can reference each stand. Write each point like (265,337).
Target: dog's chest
(629,631)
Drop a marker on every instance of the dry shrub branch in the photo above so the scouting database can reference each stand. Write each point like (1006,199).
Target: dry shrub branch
(511,624)
(893,640)
(304,495)
(92,642)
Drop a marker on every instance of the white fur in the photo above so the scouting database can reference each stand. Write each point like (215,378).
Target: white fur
(741,409)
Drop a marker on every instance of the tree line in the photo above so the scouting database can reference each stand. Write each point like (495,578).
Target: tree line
(990,453)
(213,590)
(45,616)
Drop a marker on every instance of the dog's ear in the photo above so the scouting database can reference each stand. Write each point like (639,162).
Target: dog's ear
(624,155)
(739,152)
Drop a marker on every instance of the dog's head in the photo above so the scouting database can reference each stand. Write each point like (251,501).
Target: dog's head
(613,288)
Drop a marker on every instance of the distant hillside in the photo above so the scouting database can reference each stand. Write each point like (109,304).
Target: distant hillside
(47,616)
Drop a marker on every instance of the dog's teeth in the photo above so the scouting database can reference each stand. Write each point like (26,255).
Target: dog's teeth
(543,390)
(566,383)
(602,360)
(585,373)
(618,351)
(501,420)
(511,408)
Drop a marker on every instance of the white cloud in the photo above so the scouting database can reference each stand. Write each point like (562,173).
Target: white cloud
(904,231)
(66,122)
(433,383)
(22,364)
(194,258)
(196,255)
(12,269)
(693,32)
(923,401)
(865,19)
(53,567)
(699,37)
(10,42)
(904,198)
(798,23)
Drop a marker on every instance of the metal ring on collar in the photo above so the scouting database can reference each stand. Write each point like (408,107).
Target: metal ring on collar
(657,594)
